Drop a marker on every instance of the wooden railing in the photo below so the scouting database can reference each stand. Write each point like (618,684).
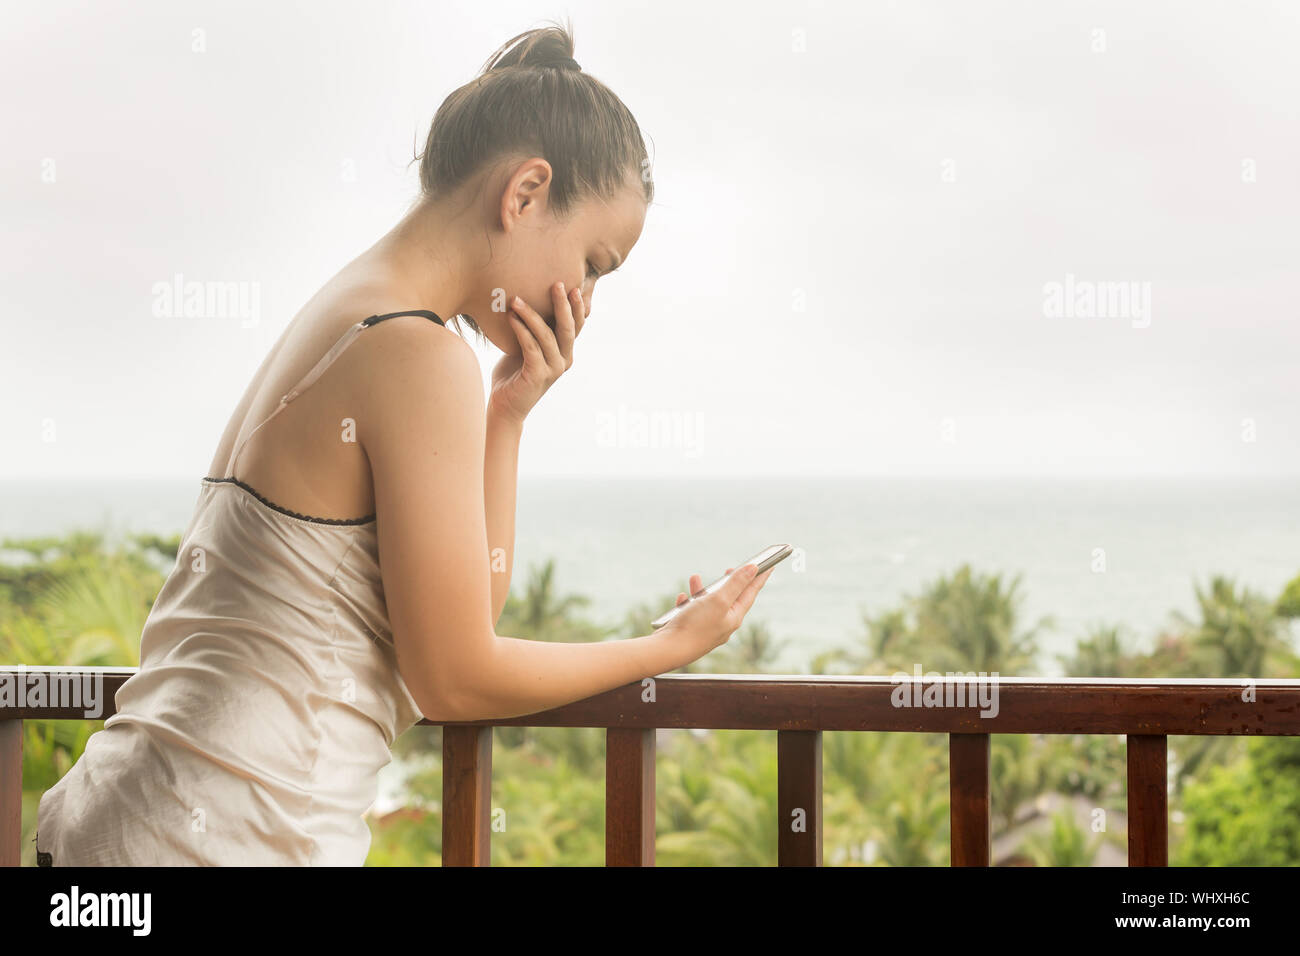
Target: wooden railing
(1147,712)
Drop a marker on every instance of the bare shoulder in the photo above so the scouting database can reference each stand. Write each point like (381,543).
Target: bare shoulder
(410,374)
(397,370)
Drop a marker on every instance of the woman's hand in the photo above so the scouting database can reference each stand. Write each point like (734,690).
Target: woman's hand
(711,620)
(519,381)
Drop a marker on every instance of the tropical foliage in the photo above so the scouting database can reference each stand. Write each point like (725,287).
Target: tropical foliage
(81,601)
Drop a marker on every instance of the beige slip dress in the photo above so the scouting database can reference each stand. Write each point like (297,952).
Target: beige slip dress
(266,702)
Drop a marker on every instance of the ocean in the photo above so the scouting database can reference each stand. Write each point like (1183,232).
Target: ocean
(1088,552)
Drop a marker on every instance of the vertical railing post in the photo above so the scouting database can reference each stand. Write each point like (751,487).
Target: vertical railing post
(466,796)
(11,792)
(629,796)
(968,800)
(799,797)
(1148,800)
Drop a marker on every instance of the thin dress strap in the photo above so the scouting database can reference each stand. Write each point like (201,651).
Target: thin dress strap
(326,361)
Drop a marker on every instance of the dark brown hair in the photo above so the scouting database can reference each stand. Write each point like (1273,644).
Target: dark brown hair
(530,97)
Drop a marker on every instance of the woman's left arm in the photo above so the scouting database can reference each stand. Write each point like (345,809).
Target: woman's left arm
(500,476)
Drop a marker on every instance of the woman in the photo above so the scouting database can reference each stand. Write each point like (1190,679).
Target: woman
(351,548)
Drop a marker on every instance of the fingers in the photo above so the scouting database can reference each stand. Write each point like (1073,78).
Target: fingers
(737,595)
(579,308)
(528,345)
(745,601)
(550,349)
(694,583)
(565,324)
(737,583)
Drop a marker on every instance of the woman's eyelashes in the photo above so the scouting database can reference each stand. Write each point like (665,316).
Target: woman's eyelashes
(592,271)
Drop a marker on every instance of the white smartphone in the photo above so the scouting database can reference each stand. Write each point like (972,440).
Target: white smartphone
(763,560)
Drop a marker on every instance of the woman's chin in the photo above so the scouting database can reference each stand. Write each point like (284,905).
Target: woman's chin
(502,338)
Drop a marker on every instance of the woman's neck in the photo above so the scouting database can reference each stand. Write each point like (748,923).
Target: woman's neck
(426,253)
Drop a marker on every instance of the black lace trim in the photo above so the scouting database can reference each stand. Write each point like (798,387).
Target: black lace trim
(42,859)
(292,514)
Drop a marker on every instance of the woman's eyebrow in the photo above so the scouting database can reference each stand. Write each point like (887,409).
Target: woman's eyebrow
(617,260)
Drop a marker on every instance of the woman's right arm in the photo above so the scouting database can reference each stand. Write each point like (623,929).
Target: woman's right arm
(422,428)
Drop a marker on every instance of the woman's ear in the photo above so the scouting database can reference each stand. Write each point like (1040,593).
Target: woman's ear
(526,192)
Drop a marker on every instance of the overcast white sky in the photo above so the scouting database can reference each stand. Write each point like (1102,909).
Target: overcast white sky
(859,207)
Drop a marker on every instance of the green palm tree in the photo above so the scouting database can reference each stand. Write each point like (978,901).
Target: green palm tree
(542,614)
(683,783)
(857,769)
(751,650)
(96,617)
(970,622)
(887,635)
(883,637)
(735,812)
(1288,603)
(1239,632)
(551,818)
(1104,652)
(911,817)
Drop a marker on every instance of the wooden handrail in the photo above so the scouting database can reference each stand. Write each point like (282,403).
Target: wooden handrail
(799,708)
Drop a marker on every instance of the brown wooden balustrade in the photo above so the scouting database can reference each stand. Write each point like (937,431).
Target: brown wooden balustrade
(800,709)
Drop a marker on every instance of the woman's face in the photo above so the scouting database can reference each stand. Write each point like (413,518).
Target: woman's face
(534,250)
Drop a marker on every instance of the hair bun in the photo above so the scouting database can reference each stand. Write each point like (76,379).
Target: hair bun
(550,47)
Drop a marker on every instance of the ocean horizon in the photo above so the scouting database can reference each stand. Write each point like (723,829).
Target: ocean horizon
(1088,552)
